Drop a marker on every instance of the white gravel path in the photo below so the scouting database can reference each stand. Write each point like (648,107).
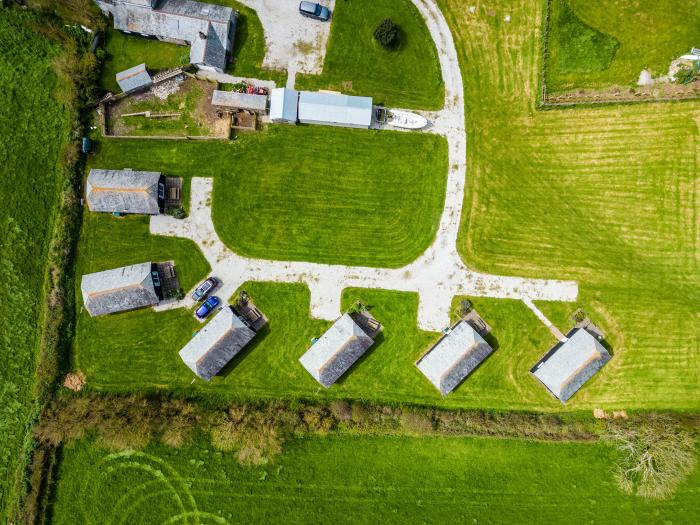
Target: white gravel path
(437,275)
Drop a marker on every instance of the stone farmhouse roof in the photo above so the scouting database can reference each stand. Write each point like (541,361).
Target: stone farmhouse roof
(336,351)
(333,109)
(231,99)
(454,357)
(123,191)
(119,290)
(216,344)
(284,105)
(208,28)
(134,79)
(567,366)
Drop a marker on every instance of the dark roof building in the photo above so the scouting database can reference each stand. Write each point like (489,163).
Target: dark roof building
(233,100)
(208,28)
(217,343)
(336,351)
(454,357)
(119,290)
(567,366)
(125,191)
(134,79)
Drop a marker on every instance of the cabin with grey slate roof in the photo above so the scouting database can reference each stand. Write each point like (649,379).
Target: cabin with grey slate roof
(336,351)
(334,109)
(454,357)
(233,100)
(569,364)
(120,289)
(134,79)
(125,191)
(208,28)
(211,349)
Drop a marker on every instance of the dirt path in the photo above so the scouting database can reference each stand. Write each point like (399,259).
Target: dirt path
(437,275)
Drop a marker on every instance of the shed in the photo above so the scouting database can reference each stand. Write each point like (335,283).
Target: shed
(454,357)
(334,109)
(230,99)
(284,105)
(120,289)
(125,191)
(336,351)
(216,344)
(569,364)
(134,79)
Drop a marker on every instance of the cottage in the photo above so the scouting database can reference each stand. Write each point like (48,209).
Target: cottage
(121,289)
(336,350)
(125,191)
(569,364)
(211,349)
(244,101)
(284,106)
(454,357)
(208,28)
(134,79)
(334,109)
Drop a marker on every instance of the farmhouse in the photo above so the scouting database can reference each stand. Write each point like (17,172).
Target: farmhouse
(134,79)
(454,357)
(121,289)
(208,28)
(569,364)
(244,101)
(125,191)
(217,343)
(334,109)
(337,350)
(284,105)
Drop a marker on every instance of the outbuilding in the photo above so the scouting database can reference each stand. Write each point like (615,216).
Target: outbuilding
(456,355)
(244,101)
(284,106)
(125,191)
(569,364)
(121,289)
(134,79)
(335,109)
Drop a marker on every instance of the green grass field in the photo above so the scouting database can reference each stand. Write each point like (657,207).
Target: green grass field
(33,126)
(309,192)
(600,43)
(408,76)
(606,196)
(342,479)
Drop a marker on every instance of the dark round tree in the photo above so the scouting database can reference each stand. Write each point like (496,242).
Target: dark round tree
(387,33)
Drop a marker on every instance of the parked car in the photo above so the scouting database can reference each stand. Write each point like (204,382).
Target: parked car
(203,289)
(315,11)
(207,307)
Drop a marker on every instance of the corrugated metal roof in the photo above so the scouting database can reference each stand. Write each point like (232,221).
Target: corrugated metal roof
(210,350)
(284,105)
(119,289)
(335,109)
(134,78)
(454,357)
(123,191)
(336,351)
(231,99)
(572,363)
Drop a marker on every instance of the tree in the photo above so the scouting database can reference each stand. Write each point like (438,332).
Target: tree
(387,33)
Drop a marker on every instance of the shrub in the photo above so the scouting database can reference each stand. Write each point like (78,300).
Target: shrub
(686,74)
(178,212)
(387,33)
(176,294)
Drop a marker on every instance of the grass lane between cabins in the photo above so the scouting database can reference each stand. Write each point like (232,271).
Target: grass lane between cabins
(601,43)
(311,193)
(350,479)
(408,76)
(605,196)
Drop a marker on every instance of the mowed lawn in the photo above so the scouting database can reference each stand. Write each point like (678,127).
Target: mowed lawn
(407,76)
(311,193)
(605,196)
(599,43)
(345,479)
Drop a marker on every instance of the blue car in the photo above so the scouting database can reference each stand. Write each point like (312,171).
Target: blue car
(315,11)
(207,307)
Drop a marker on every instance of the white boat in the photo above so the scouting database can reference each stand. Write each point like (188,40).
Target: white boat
(405,119)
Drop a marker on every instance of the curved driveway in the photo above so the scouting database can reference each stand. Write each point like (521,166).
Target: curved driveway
(437,275)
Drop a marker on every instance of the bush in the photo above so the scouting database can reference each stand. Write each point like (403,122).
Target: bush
(387,33)
(686,74)
(178,212)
